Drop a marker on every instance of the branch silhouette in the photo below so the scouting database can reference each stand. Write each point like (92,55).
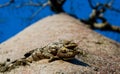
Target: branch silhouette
(7,4)
(97,13)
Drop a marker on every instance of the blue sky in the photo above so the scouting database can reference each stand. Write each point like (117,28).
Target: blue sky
(13,19)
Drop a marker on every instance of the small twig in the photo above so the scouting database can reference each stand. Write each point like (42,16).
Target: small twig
(56,5)
(110,3)
(6,4)
(43,6)
(30,3)
(109,6)
(91,5)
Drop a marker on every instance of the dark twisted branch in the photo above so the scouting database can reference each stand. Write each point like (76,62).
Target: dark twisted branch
(56,5)
(97,13)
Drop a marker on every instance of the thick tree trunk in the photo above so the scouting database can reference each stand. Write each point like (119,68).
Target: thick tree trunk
(104,54)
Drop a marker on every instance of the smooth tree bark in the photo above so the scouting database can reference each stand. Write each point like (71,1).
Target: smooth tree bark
(103,54)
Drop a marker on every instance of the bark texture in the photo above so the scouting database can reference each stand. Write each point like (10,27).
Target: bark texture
(103,58)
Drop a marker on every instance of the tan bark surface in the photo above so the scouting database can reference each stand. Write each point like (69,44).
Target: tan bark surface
(104,53)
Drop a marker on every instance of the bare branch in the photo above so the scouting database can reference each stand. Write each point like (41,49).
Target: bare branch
(115,9)
(30,3)
(56,5)
(109,6)
(7,4)
(43,6)
(97,13)
(107,26)
(110,2)
(90,3)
